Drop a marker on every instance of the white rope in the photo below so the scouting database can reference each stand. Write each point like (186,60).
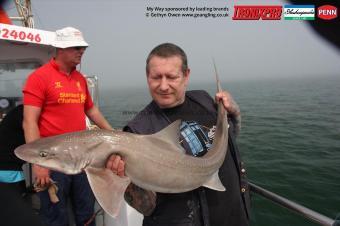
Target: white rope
(24,11)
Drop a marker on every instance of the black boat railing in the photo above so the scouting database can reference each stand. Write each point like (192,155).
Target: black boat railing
(297,208)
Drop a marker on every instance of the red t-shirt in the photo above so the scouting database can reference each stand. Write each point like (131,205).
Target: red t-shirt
(63,99)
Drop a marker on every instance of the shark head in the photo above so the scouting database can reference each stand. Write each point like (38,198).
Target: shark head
(57,153)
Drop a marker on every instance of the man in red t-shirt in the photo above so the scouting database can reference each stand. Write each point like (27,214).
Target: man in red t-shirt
(57,101)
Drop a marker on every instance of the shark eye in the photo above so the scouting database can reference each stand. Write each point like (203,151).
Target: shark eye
(43,154)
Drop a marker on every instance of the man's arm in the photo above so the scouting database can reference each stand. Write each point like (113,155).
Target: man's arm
(96,116)
(142,200)
(31,131)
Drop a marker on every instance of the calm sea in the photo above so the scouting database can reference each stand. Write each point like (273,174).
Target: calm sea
(290,140)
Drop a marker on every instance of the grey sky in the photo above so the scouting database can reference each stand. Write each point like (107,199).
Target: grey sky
(121,36)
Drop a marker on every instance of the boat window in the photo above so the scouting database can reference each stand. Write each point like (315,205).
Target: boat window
(13,76)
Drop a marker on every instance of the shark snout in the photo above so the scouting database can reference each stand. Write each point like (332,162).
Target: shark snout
(24,153)
(31,154)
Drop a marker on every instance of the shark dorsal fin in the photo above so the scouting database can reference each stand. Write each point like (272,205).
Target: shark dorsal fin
(171,132)
(170,136)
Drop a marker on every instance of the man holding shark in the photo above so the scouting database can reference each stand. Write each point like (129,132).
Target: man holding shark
(167,76)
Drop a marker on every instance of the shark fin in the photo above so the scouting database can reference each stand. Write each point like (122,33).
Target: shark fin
(170,132)
(214,183)
(108,188)
(169,136)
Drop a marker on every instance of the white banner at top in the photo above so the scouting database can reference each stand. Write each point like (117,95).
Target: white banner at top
(27,35)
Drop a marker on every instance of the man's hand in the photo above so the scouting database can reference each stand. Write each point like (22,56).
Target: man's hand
(228,102)
(232,108)
(42,175)
(116,164)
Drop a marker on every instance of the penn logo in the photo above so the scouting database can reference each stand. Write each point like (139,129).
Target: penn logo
(327,12)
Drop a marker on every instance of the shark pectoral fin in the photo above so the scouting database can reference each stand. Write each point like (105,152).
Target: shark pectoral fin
(108,188)
(214,183)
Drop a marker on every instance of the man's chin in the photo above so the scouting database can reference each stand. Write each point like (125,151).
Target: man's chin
(165,104)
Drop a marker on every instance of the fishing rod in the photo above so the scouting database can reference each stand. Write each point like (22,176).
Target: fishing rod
(304,211)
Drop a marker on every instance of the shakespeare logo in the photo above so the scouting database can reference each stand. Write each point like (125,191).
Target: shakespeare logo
(327,12)
(299,12)
(254,12)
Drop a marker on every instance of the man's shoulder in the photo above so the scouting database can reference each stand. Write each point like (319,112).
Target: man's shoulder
(202,98)
(146,121)
(42,70)
(45,67)
(143,114)
(197,94)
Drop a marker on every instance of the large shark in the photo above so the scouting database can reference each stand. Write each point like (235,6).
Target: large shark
(154,162)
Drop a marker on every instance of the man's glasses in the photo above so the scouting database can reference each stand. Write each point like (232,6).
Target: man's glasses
(79,48)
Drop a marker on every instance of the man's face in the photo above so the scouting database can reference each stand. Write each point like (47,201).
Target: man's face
(167,83)
(73,55)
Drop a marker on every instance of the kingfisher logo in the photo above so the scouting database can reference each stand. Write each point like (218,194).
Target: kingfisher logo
(254,12)
(299,12)
(327,12)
